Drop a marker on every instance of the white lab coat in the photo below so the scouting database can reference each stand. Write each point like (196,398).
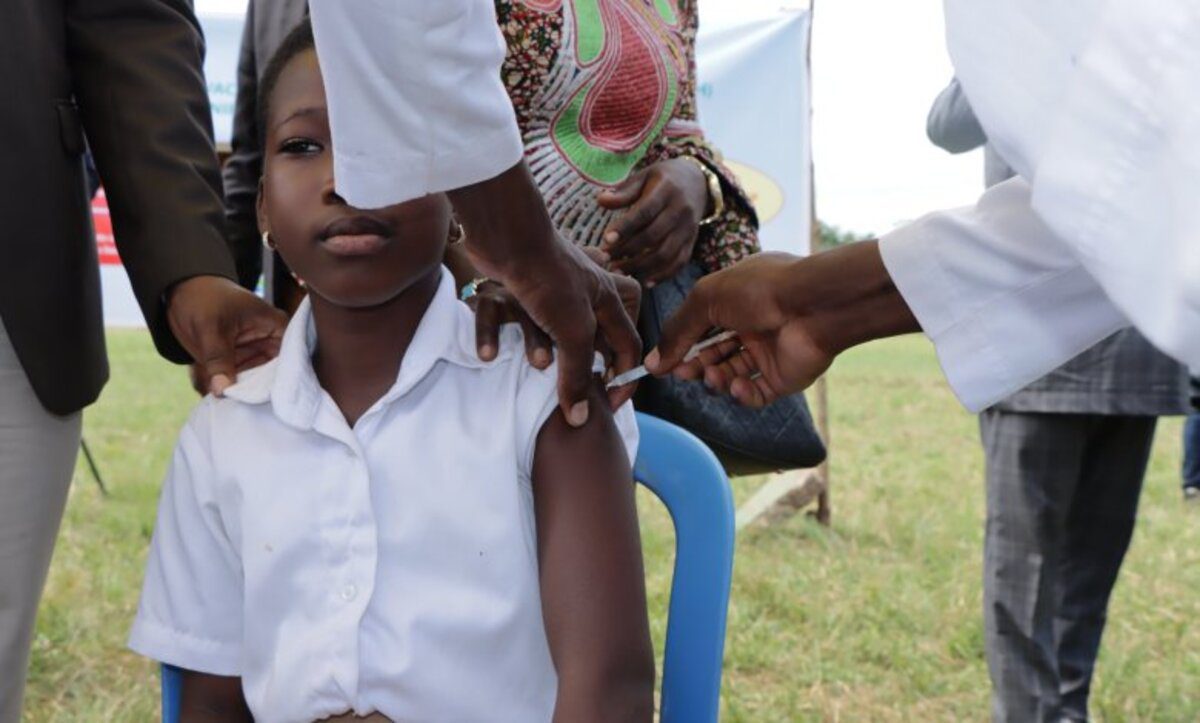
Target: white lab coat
(1093,102)
(416,104)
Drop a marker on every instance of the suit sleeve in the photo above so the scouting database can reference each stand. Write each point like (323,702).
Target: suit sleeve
(244,166)
(138,79)
(952,125)
(416,103)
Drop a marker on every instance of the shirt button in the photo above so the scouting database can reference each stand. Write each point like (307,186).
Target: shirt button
(349,593)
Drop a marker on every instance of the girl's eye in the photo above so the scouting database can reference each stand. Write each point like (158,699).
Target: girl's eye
(300,146)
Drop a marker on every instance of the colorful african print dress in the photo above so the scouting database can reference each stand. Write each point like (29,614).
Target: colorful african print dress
(602,88)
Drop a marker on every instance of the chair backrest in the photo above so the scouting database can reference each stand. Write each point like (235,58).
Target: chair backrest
(682,472)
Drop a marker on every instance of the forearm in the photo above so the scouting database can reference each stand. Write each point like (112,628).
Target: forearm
(848,297)
(458,261)
(507,225)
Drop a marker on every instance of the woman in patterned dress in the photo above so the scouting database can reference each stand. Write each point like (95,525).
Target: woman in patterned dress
(604,92)
(605,97)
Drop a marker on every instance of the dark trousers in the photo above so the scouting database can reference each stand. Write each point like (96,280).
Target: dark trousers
(1062,495)
(1191,451)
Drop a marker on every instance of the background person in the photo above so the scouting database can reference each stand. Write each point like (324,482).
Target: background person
(1066,457)
(126,76)
(1191,447)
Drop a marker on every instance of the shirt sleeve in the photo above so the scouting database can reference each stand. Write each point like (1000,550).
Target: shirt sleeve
(1002,297)
(190,614)
(416,102)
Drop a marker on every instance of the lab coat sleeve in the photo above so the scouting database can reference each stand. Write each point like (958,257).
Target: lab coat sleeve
(1095,103)
(1002,297)
(416,103)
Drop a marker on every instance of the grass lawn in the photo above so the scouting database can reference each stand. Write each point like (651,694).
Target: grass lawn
(875,619)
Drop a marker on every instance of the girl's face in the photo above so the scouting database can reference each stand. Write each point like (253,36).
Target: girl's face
(347,256)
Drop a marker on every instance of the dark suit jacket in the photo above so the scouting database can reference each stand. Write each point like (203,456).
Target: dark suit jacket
(267,23)
(127,73)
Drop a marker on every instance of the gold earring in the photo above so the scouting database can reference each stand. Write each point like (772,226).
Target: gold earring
(266,241)
(299,281)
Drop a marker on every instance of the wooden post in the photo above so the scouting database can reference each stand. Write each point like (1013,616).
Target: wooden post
(821,389)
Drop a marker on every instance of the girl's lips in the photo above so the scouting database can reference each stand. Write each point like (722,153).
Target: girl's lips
(361,244)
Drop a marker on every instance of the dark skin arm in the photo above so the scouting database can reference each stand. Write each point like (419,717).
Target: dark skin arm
(212,699)
(510,238)
(592,582)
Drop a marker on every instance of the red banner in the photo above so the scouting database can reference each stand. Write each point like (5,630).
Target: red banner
(106,245)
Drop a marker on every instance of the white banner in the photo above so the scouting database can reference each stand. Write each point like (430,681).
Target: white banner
(754,104)
(753,93)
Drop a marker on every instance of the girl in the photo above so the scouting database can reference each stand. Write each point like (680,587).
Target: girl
(377,523)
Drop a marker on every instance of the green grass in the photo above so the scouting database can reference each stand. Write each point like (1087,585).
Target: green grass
(875,619)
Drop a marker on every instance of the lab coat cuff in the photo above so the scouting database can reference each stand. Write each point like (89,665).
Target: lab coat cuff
(370,179)
(990,351)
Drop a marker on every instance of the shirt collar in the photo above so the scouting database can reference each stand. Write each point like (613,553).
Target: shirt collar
(446,333)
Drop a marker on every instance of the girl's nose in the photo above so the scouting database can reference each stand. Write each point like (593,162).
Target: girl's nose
(329,194)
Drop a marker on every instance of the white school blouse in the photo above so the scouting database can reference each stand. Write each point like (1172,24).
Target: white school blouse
(391,567)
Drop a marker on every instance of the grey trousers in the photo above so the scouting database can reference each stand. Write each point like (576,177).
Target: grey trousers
(1062,495)
(37,458)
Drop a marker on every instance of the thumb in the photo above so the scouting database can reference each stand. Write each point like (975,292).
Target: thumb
(687,326)
(217,358)
(624,193)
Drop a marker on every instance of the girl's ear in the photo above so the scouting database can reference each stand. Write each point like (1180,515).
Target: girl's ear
(260,208)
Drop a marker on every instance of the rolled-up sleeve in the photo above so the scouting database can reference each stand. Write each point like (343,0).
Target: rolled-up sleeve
(1002,297)
(190,614)
(416,103)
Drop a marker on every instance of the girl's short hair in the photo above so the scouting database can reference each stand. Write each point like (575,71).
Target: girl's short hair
(299,40)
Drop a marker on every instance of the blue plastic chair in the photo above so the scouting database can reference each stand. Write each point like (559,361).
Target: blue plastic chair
(691,483)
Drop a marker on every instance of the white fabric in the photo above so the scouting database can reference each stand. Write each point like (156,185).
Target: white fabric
(391,567)
(1000,295)
(1093,102)
(416,103)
